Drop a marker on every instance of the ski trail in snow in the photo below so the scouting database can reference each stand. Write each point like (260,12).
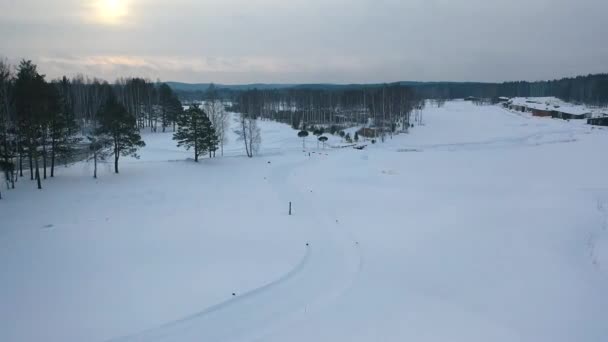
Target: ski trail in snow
(535,139)
(339,242)
(164,329)
(328,269)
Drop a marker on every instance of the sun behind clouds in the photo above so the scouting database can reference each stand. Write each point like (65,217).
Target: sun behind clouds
(110,12)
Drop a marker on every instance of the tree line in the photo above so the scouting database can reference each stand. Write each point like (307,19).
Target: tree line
(46,123)
(590,89)
(387,108)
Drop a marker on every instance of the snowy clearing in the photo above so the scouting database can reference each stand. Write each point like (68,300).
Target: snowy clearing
(481,225)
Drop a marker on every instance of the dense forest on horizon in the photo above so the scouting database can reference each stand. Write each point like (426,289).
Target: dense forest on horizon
(590,89)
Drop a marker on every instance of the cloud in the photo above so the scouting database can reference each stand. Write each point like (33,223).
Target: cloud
(309,40)
(227,68)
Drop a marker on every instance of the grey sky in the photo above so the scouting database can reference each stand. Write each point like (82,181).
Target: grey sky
(301,41)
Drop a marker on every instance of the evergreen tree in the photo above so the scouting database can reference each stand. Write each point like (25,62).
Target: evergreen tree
(31,107)
(7,166)
(121,129)
(195,132)
(169,104)
(213,140)
(7,131)
(63,128)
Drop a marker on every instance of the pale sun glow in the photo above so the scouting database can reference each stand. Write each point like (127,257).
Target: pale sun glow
(111,11)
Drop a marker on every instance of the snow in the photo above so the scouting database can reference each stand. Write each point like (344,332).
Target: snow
(481,225)
(551,104)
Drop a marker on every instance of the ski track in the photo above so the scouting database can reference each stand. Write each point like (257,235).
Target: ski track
(328,269)
(535,139)
(163,330)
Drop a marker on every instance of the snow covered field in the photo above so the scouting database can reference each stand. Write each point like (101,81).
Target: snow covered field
(482,225)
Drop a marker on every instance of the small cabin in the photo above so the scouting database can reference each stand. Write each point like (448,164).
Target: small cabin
(542,112)
(601,121)
(570,115)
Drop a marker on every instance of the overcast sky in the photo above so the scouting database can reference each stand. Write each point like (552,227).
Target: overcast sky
(304,41)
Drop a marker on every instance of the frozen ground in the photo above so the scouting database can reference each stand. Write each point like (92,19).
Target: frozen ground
(482,225)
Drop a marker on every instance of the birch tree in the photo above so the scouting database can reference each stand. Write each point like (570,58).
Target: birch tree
(220,120)
(249,133)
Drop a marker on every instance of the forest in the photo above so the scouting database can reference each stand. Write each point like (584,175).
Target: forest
(591,89)
(387,108)
(44,124)
(47,123)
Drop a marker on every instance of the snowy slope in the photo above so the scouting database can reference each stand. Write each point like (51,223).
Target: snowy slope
(482,225)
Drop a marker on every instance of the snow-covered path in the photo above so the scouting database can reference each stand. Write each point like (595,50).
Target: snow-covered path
(482,225)
(329,264)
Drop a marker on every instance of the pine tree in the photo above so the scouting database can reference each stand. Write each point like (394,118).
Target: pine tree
(31,106)
(7,166)
(121,128)
(62,126)
(7,131)
(212,140)
(170,105)
(195,132)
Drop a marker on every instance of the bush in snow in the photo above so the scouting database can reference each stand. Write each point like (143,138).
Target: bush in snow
(348,138)
(323,140)
(303,134)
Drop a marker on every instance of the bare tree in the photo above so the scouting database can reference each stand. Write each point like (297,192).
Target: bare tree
(219,119)
(248,132)
(98,150)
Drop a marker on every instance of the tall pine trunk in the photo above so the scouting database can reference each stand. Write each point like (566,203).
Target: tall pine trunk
(54,147)
(116,154)
(95,163)
(21,163)
(195,130)
(31,157)
(44,158)
(38,172)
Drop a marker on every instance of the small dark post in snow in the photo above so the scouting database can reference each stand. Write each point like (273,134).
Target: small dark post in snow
(289,208)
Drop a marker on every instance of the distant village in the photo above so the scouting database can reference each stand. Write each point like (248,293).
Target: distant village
(553,107)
